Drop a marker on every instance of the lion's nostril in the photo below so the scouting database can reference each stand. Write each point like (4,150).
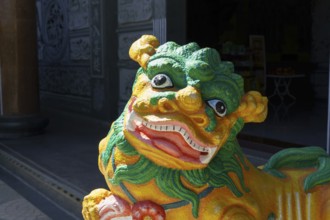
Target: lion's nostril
(143,105)
(200,119)
(165,105)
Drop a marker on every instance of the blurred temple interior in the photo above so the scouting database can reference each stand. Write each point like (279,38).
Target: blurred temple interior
(65,76)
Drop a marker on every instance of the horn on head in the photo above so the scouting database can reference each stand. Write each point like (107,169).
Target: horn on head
(143,48)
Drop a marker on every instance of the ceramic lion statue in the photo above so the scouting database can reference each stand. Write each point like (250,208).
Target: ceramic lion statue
(173,153)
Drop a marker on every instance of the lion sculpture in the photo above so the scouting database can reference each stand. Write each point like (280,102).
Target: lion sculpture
(173,152)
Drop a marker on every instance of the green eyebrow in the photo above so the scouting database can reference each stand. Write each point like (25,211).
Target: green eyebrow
(169,66)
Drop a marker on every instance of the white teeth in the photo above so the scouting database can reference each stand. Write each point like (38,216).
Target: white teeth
(129,125)
(179,129)
(206,158)
(135,120)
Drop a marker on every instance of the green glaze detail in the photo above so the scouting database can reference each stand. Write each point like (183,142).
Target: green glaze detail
(201,68)
(293,158)
(105,156)
(198,177)
(215,175)
(224,88)
(213,122)
(271,216)
(215,79)
(239,124)
(135,173)
(320,176)
(227,67)
(125,147)
(169,46)
(232,159)
(210,57)
(173,48)
(169,95)
(117,139)
(169,182)
(172,66)
(138,73)
(116,129)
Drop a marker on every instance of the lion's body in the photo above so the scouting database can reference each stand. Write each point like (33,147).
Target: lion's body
(173,152)
(284,198)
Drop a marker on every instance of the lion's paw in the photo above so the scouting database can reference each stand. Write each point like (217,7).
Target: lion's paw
(91,201)
(101,204)
(114,207)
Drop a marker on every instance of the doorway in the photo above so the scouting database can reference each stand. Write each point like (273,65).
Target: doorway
(288,29)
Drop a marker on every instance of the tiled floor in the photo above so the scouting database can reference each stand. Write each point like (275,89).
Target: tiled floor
(68,148)
(14,207)
(63,161)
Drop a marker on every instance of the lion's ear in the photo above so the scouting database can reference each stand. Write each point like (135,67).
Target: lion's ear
(253,107)
(143,48)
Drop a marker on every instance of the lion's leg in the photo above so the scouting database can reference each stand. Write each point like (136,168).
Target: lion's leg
(237,213)
(326,210)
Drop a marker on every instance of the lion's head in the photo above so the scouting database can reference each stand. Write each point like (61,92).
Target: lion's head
(181,121)
(184,105)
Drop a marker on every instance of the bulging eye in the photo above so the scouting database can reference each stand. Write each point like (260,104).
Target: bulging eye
(218,106)
(161,81)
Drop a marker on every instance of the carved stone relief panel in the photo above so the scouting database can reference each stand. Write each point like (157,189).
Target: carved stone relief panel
(52,30)
(66,81)
(125,41)
(133,11)
(78,14)
(70,34)
(126,79)
(69,31)
(96,36)
(80,48)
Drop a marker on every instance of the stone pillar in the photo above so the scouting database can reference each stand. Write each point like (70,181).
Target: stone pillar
(19,70)
(328,133)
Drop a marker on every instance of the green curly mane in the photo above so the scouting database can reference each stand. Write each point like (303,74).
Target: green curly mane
(188,65)
(197,67)
(228,159)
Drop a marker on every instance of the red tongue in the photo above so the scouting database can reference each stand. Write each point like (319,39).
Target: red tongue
(170,142)
(167,147)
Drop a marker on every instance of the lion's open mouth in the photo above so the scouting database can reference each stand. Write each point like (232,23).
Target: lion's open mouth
(171,137)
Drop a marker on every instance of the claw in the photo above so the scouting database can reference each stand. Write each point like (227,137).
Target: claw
(90,202)
(114,207)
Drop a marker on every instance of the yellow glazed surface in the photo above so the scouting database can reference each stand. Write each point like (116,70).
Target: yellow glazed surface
(173,152)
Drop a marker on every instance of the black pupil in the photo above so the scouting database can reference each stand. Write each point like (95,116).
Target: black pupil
(159,80)
(220,107)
